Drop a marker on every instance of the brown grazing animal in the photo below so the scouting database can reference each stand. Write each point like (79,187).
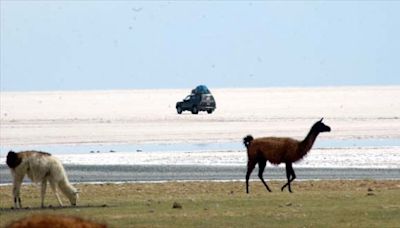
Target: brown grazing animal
(279,150)
(51,221)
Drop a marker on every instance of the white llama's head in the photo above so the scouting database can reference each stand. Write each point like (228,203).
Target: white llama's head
(73,197)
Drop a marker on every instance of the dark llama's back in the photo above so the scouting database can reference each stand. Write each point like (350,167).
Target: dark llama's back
(43,153)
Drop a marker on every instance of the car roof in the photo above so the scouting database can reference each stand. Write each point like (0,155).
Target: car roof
(202,89)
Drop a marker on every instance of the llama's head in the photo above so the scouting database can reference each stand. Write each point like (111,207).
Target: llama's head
(73,196)
(321,127)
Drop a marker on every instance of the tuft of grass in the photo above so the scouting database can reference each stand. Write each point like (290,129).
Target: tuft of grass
(341,203)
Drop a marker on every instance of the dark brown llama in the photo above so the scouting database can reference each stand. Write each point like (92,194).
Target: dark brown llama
(279,150)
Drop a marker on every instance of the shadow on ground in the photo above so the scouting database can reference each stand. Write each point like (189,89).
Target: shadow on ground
(52,208)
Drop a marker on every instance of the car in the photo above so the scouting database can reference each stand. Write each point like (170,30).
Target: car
(200,99)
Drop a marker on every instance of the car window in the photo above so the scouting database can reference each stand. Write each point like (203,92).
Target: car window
(187,98)
(208,98)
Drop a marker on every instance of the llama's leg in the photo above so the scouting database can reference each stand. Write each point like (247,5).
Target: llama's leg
(261,167)
(293,176)
(290,176)
(43,192)
(250,167)
(54,188)
(16,191)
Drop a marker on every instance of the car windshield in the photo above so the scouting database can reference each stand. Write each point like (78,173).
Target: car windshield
(187,98)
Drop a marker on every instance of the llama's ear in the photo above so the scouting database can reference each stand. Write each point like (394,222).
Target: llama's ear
(321,119)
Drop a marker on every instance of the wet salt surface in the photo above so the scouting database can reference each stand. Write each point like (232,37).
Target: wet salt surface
(355,153)
(192,147)
(156,173)
(317,158)
(329,159)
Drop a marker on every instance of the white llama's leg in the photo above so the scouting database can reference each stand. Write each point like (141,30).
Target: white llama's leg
(16,190)
(43,192)
(54,188)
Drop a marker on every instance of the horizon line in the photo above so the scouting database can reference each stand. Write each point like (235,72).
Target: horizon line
(211,88)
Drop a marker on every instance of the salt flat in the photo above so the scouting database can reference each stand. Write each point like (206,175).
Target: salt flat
(132,135)
(149,116)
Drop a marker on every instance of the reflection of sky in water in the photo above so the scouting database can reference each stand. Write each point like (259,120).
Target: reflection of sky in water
(192,147)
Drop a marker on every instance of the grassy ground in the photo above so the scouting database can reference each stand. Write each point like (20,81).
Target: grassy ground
(366,203)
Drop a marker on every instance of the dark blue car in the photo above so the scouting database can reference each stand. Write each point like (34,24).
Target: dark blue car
(200,99)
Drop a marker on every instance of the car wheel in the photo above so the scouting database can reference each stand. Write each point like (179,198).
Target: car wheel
(209,111)
(179,109)
(195,110)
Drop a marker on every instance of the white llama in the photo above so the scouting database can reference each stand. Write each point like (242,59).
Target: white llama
(40,167)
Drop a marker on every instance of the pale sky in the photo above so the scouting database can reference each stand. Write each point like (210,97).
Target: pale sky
(96,45)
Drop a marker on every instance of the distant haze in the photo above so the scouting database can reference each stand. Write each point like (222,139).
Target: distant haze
(97,45)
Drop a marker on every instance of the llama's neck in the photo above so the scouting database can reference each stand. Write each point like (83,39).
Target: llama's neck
(67,188)
(308,142)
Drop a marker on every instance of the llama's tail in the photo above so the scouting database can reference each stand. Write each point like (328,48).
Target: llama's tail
(247,141)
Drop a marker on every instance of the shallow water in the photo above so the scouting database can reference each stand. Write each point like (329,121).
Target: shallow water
(193,147)
(329,159)
(151,173)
